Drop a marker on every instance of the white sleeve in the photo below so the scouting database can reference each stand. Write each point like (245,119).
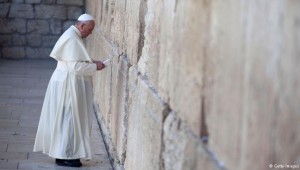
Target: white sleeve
(84,68)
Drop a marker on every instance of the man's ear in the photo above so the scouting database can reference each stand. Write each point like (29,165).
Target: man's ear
(81,26)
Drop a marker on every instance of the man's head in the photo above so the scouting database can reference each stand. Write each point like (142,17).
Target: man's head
(85,24)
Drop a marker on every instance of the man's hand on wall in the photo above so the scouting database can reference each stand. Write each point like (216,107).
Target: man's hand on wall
(100,65)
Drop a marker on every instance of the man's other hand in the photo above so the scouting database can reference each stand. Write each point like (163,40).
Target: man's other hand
(100,65)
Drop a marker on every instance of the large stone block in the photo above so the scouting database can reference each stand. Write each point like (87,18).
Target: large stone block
(117,32)
(145,123)
(48,1)
(38,53)
(133,29)
(4,9)
(18,40)
(55,27)
(5,40)
(67,25)
(248,69)
(74,12)
(49,40)
(100,49)
(33,1)
(13,52)
(71,2)
(214,62)
(50,11)
(38,26)
(173,55)
(21,11)
(34,40)
(17,1)
(183,150)
(13,25)
(119,107)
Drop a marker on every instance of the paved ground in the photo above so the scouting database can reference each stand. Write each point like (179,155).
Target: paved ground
(22,88)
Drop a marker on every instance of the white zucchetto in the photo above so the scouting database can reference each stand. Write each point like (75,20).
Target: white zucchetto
(85,17)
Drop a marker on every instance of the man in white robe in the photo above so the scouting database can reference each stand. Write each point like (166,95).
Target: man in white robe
(65,123)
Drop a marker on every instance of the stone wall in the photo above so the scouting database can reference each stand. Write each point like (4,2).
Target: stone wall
(30,28)
(198,84)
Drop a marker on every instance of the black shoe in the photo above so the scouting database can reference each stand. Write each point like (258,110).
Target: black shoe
(69,163)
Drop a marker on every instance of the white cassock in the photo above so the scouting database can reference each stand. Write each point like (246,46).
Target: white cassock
(65,123)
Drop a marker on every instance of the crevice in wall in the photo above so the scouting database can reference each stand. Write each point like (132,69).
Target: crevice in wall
(106,135)
(203,129)
(101,12)
(125,111)
(166,111)
(142,13)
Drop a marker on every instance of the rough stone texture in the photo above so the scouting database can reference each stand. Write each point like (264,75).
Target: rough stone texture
(13,25)
(74,12)
(34,40)
(178,135)
(4,9)
(35,24)
(226,70)
(18,1)
(35,53)
(33,1)
(71,2)
(5,40)
(49,40)
(67,25)
(55,27)
(18,40)
(119,111)
(51,11)
(48,1)
(38,26)
(21,11)
(14,52)
(144,125)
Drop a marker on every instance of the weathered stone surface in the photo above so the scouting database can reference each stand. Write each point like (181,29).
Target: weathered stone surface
(67,25)
(212,62)
(4,9)
(49,40)
(70,2)
(119,108)
(34,40)
(42,53)
(51,11)
(13,25)
(177,56)
(5,40)
(38,26)
(132,29)
(74,12)
(55,27)
(21,11)
(48,1)
(144,125)
(104,81)
(33,1)
(18,1)
(18,40)
(245,77)
(182,149)
(13,52)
